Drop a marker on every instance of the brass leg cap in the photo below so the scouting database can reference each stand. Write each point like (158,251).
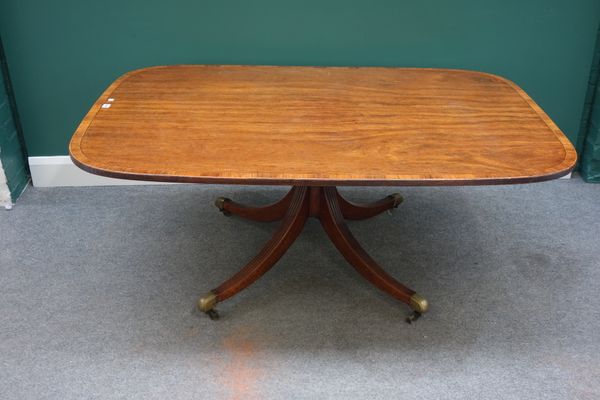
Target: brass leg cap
(418,303)
(220,203)
(398,199)
(207,302)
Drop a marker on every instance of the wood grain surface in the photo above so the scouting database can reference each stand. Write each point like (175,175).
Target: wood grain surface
(319,126)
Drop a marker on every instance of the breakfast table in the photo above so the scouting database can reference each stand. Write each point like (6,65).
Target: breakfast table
(315,129)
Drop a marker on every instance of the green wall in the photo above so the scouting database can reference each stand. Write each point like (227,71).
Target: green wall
(63,53)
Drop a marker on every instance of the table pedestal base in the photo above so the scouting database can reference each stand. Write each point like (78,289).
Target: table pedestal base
(329,207)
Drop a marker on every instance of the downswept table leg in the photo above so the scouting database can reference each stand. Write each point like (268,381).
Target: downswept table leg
(355,211)
(326,204)
(290,228)
(269,213)
(332,219)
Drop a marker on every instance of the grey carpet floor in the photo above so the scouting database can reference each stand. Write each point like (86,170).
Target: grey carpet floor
(98,288)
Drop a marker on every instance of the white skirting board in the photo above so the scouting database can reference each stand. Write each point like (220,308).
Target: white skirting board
(57,171)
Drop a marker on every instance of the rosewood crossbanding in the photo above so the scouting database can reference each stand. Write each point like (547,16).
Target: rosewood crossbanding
(315,128)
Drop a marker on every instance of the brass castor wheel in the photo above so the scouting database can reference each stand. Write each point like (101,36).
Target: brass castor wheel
(398,199)
(415,315)
(206,304)
(220,203)
(212,314)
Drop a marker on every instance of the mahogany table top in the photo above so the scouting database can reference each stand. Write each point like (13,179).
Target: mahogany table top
(319,126)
